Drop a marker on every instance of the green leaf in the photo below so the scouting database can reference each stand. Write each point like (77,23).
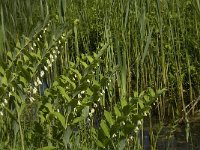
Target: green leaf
(117,112)
(135,94)
(152,93)
(61,118)
(100,144)
(146,46)
(22,108)
(23,80)
(90,59)
(15,127)
(105,128)
(84,64)
(47,148)
(67,135)
(146,97)
(85,112)
(89,92)
(2,71)
(123,102)
(108,117)
(77,73)
(141,104)
(9,54)
(4,80)
(64,93)
(158,92)
(78,119)
(66,79)
(10,113)
(49,106)
(122,144)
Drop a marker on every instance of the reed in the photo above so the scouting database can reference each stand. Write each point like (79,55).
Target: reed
(111,50)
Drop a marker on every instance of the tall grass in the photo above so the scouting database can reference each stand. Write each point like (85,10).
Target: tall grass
(123,47)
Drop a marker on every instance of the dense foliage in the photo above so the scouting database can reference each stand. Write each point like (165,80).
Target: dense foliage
(83,74)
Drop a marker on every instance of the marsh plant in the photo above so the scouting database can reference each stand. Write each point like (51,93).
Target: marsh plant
(85,74)
(75,109)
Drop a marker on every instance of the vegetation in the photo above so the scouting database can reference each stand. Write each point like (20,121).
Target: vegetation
(83,74)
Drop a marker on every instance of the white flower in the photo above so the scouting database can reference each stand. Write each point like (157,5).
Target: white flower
(92,110)
(54,52)
(35,83)
(131,137)
(139,122)
(45,68)
(98,99)
(82,92)
(59,42)
(136,129)
(79,96)
(34,90)
(32,99)
(114,135)
(2,104)
(5,101)
(51,56)
(123,123)
(58,110)
(38,81)
(52,60)
(103,91)
(57,47)
(145,113)
(38,39)
(88,119)
(34,45)
(55,56)
(9,94)
(58,52)
(32,48)
(49,63)
(41,73)
(40,36)
(79,103)
(88,81)
(1,113)
(73,79)
(13,89)
(95,105)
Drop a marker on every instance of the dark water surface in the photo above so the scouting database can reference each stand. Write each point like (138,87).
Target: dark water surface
(170,138)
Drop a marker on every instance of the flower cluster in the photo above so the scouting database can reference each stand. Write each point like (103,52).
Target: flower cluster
(3,104)
(137,128)
(52,57)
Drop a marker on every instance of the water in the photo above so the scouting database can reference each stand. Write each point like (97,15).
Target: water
(174,138)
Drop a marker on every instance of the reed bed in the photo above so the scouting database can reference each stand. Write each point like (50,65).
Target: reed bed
(84,74)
